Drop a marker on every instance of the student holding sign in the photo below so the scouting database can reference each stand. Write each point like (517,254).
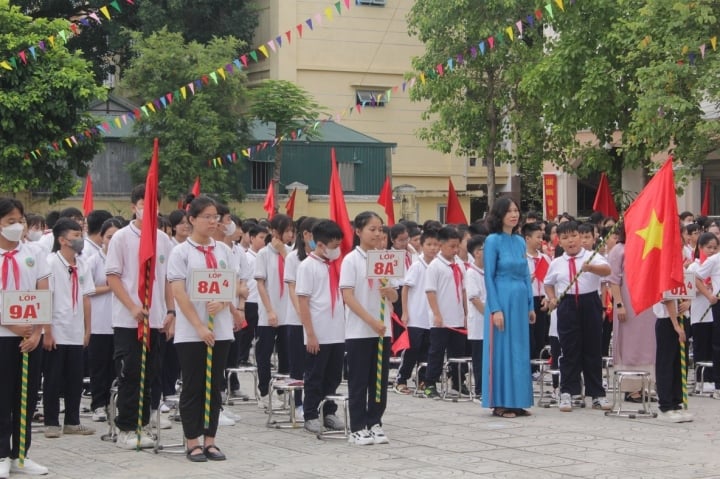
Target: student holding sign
(27,270)
(203,276)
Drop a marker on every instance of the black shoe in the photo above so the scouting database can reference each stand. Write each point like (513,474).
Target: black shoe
(431,392)
(214,456)
(196,457)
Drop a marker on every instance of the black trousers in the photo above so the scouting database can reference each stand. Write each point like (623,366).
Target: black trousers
(296,356)
(702,335)
(268,338)
(11,360)
(128,355)
(607,329)
(716,340)
(361,357)
(668,379)
(539,331)
(63,375)
(102,369)
(477,363)
(233,361)
(555,353)
(580,334)
(323,374)
(442,340)
(156,388)
(248,334)
(416,353)
(170,370)
(192,397)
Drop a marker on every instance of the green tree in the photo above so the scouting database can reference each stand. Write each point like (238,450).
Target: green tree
(475,107)
(192,131)
(41,103)
(620,65)
(289,108)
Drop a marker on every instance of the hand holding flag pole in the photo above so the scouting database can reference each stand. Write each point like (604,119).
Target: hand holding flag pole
(381,345)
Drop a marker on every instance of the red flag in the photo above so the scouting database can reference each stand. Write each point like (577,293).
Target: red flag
(604,202)
(88,204)
(196,187)
(290,205)
(402,342)
(386,201)
(454,214)
(541,269)
(653,248)
(338,210)
(269,204)
(705,208)
(148,236)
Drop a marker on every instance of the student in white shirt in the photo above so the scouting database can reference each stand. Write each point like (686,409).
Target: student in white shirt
(122,268)
(71,283)
(537,262)
(74,214)
(93,241)
(323,319)
(702,323)
(30,263)
(416,314)
(181,228)
(476,297)
(269,274)
(101,349)
(256,238)
(579,317)
(447,299)
(192,334)
(363,326)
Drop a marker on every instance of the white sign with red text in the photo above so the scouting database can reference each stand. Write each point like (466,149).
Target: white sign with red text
(687,291)
(212,285)
(26,307)
(386,264)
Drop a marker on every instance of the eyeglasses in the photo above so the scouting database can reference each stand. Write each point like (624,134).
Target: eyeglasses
(210,217)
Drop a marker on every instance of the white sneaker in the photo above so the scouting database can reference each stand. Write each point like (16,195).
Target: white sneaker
(685,415)
(223,420)
(334,423)
(78,429)
(536,376)
(361,438)
(53,432)
(264,402)
(231,415)
(670,416)
(99,415)
(299,414)
(164,408)
(601,403)
(5,467)
(565,404)
(30,467)
(716,394)
(128,440)
(708,387)
(164,422)
(313,425)
(378,435)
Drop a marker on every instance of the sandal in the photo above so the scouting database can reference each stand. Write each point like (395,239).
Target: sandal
(402,389)
(504,413)
(214,456)
(196,457)
(631,397)
(522,412)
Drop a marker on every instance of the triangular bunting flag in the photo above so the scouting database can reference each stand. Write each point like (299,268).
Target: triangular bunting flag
(519,26)
(288,35)
(713,42)
(244,61)
(549,9)
(237,64)
(482,47)
(538,14)
(104,10)
(263,49)
(491,41)
(213,75)
(150,106)
(74,29)
(163,101)
(95,17)
(23,56)
(309,23)
(560,5)
(62,35)
(221,72)
(702,50)
(32,52)
(329,13)
(318,20)
(338,7)
(115,5)
(510,33)
(144,110)
(347,4)
(253,55)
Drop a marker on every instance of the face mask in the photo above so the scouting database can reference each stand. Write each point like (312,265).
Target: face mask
(312,244)
(13,232)
(139,213)
(35,235)
(332,253)
(230,228)
(77,245)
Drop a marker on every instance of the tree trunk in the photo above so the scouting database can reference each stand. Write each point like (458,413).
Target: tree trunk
(492,119)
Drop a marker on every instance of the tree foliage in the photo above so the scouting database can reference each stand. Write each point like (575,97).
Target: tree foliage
(191,131)
(476,108)
(40,103)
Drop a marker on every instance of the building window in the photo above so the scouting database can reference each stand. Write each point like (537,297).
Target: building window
(347,176)
(260,175)
(370,98)
(442,213)
(380,3)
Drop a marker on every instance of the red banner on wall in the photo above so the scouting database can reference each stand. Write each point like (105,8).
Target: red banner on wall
(550,195)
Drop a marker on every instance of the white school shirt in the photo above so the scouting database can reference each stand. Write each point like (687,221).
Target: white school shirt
(90,249)
(439,279)
(123,261)
(353,275)
(244,271)
(312,280)
(46,241)
(660,310)
(185,258)
(475,289)
(417,303)
(33,266)
(688,253)
(292,262)
(253,296)
(699,303)
(558,274)
(100,304)
(710,269)
(68,321)
(538,288)
(266,267)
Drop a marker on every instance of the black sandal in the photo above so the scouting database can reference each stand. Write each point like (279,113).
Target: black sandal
(196,457)
(504,413)
(214,456)
(521,412)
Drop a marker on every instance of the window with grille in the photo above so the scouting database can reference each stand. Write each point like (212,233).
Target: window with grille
(260,175)
(347,176)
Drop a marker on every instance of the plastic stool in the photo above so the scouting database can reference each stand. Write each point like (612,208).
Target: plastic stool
(230,372)
(543,366)
(459,384)
(173,403)
(618,399)
(327,434)
(607,362)
(288,388)
(700,368)
(111,435)
(418,390)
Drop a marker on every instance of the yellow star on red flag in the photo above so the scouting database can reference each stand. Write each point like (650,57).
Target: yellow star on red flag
(652,234)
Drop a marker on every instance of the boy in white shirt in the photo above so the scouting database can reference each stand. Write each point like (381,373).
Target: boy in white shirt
(256,235)
(476,295)
(416,314)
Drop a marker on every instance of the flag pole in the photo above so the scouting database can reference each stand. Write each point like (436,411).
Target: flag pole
(23,407)
(683,366)
(381,345)
(208,375)
(143,356)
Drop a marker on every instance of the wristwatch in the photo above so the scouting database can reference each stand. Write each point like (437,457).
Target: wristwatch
(619,305)
(171,311)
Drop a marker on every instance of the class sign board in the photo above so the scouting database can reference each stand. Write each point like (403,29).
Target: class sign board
(385,264)
(26,307)
(212,285)
(687,291)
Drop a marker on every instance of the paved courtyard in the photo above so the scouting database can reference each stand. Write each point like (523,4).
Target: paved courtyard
(428,438)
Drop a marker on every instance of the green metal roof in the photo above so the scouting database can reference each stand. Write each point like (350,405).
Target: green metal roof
(328,132)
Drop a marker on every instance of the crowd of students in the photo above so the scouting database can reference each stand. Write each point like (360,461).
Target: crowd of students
(499,290)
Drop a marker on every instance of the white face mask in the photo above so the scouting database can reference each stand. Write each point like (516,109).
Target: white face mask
(230,228)
(13,232)
(139,213)
(35,235)
(332,253)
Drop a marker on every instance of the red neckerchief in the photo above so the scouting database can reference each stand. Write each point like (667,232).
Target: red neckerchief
(9,260)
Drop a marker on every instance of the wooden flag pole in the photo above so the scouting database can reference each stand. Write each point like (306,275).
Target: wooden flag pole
(381,345)
(208,375)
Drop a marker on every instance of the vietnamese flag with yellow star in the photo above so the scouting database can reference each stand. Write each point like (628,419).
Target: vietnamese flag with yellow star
(653,247)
